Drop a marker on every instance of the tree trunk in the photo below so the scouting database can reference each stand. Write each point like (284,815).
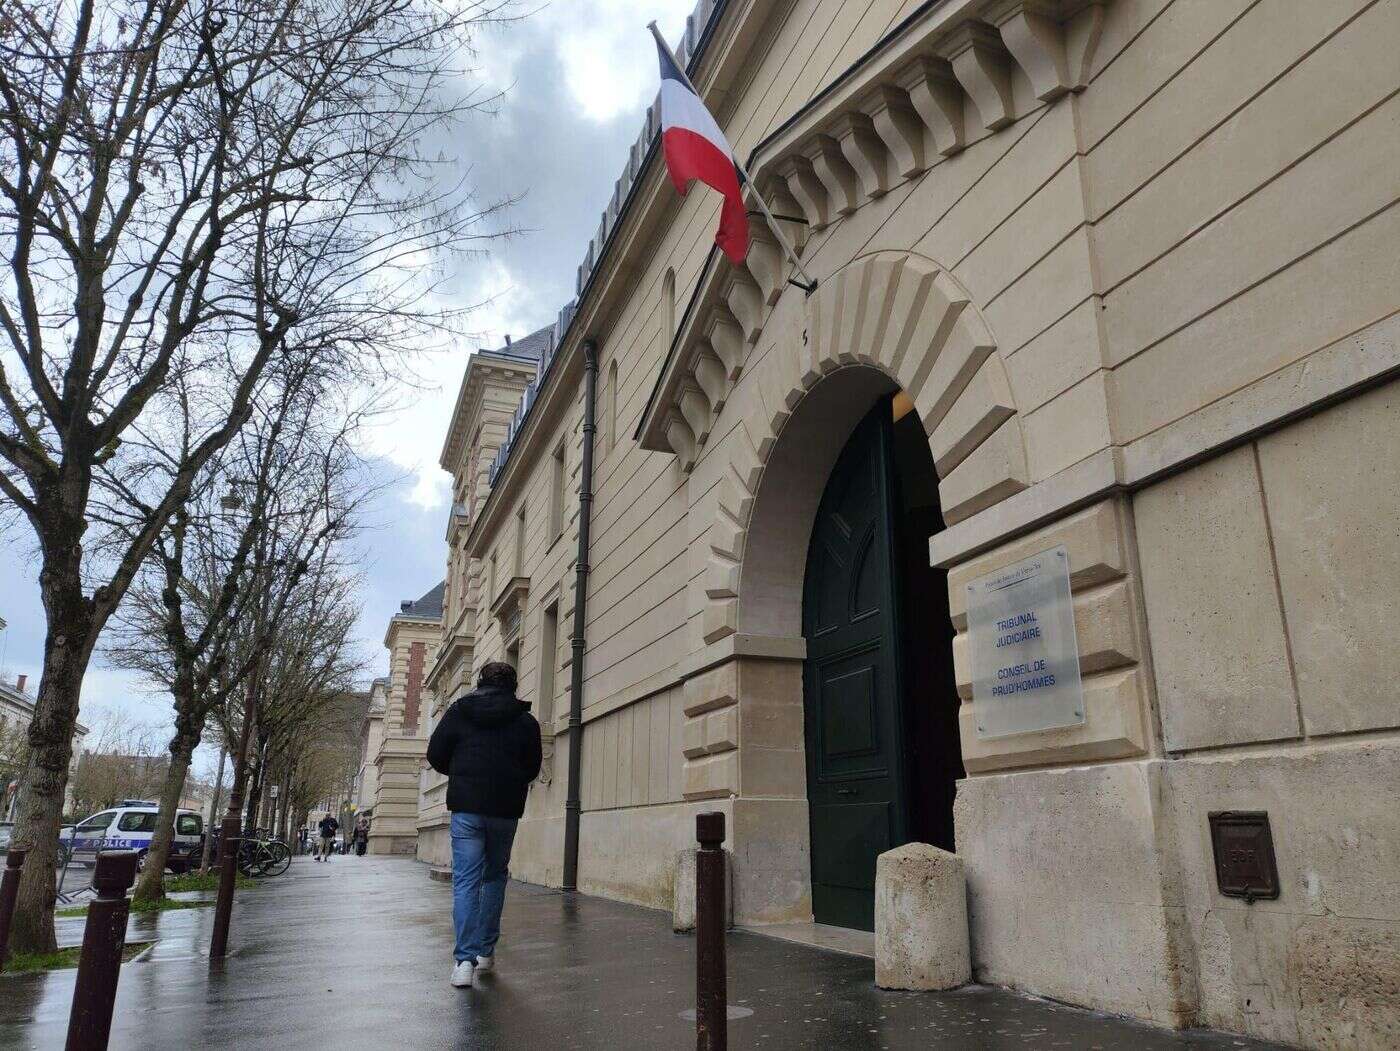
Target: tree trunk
(213,811)
(254,786)
(236,790)
(286,826)
(151,885)
(67,649)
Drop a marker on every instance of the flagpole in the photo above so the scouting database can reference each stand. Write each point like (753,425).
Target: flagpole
(811,285)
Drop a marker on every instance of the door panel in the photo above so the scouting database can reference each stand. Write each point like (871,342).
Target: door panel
(854,731)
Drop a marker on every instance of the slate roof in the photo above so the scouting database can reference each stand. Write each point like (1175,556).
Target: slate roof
(530,348)
(429,606)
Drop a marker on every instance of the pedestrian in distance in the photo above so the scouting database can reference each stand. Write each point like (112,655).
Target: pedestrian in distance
(488,745)
(361,837)
(326,844)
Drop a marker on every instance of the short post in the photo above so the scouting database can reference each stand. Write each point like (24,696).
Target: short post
(711,994)
(100,964)
(9,890)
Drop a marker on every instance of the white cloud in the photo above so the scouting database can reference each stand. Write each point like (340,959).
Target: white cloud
(589,58)
(607,53)
(411,436)
(602,49)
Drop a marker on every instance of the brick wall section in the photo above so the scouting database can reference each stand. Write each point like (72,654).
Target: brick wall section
(414,689)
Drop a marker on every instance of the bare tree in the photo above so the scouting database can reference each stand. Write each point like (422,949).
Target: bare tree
(124,761)
(185,625)
(225,190)
(304,678)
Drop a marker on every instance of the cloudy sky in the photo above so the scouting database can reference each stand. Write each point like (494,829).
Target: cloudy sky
(578,75)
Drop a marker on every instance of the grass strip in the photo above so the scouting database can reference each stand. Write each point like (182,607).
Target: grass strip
(203,881)
(174,885)
(29,962)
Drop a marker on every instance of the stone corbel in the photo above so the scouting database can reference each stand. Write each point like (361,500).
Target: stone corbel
(745,302)
(1036,40)
(710,374)
(1082,34)
(982,65)
(695,407)
(836,175)
(864,152)
(782,203)
(681,439)
(938,100)
(727,341)
(765,262)
(806,189)
(899,127)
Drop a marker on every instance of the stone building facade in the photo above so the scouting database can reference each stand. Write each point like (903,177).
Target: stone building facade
(366,789)
(488,403)
(16,713)
(412,639)
(1113,278)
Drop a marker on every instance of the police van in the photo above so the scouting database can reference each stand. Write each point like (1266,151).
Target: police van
(131,825)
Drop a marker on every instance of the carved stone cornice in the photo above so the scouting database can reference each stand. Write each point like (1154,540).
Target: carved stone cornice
(906,105)
(482,367)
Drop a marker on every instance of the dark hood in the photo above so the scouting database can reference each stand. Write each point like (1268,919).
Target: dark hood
(491,706)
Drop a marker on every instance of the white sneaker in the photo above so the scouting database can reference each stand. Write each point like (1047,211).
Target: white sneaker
(486,963)
(462,974)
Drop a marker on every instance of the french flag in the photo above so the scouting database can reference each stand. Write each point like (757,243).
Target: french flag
(695,148)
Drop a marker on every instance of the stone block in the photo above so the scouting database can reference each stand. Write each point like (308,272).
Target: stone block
(1071,426)
(711,777)
(1212,607)
(1331,483)
(722,730)
(921,932)
(1319,966)
(716,688)
(772,860)
(1099,928)
(683,910)
(994,471)
(1096,554)
(1112,728)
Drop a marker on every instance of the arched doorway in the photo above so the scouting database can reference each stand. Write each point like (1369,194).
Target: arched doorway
(879,695)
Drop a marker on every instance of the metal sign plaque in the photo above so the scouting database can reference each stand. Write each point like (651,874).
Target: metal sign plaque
(1245,866)
(1025,657)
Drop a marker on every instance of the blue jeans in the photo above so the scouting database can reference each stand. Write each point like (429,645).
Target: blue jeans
(480,868)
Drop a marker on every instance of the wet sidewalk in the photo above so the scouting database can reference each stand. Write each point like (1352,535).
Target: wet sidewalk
(356,954)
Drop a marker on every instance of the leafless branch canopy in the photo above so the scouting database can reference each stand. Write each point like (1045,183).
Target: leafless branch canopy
(197,197)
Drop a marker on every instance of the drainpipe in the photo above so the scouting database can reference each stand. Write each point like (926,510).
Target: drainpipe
(572,804)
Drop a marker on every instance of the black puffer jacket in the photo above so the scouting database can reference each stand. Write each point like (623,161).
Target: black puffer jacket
(488,744)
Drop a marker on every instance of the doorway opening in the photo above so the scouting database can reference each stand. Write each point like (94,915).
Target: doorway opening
(880,700)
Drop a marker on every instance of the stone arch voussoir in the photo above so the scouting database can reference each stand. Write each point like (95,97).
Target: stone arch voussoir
(910,319)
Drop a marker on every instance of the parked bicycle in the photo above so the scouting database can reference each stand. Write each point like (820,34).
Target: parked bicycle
(260,853)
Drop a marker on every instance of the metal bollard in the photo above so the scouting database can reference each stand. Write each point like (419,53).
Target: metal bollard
(9,890)
(711,993)
(99,966)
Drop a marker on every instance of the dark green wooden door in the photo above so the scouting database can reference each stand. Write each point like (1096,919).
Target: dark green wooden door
(851,686)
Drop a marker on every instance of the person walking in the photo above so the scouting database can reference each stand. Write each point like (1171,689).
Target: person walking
(361,836)
(488,745)
(328,827)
